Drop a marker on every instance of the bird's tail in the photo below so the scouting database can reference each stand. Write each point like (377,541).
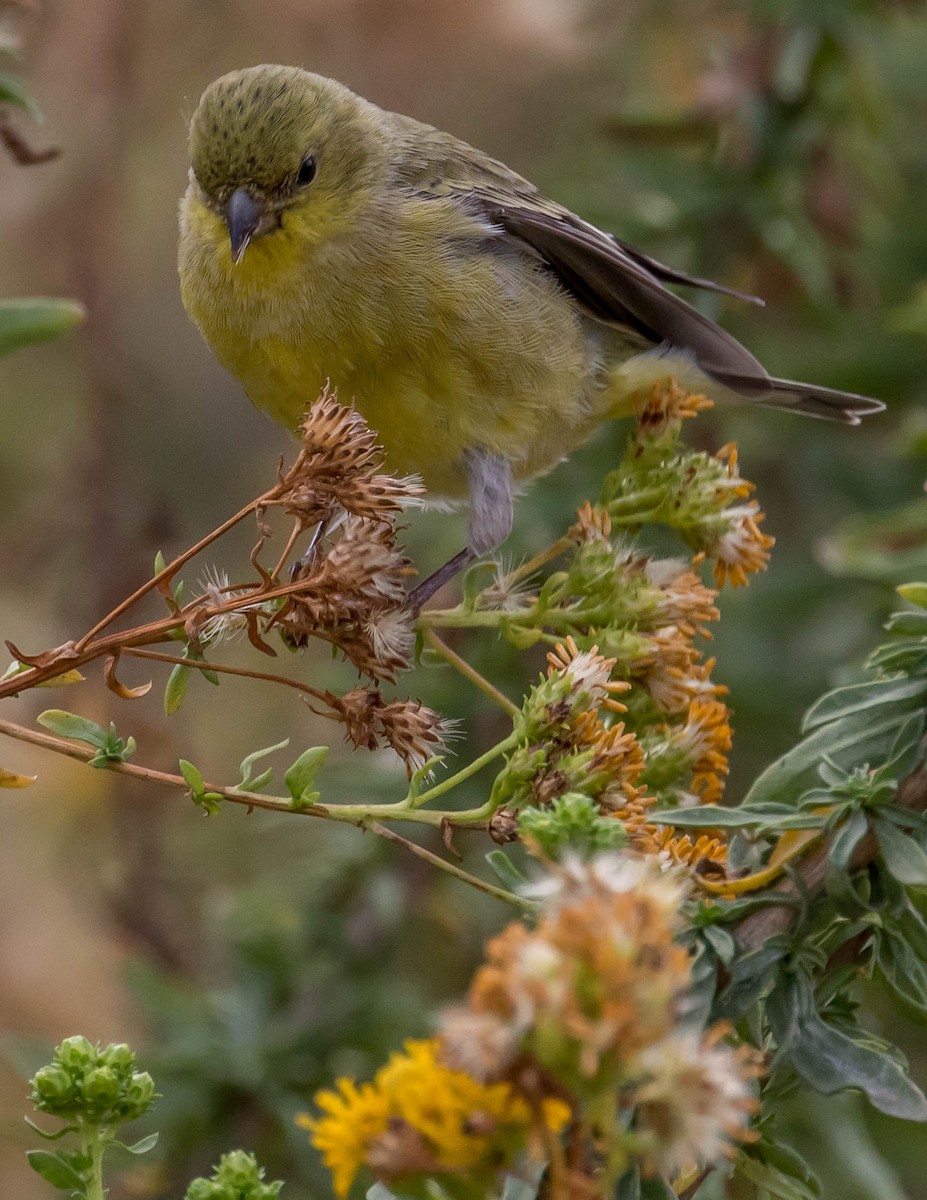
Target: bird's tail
(828,404)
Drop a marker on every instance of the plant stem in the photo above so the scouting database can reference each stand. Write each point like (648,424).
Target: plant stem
(451,869)
(466,772)
(92,1144)
(201,664)
(468,672)
(170,570)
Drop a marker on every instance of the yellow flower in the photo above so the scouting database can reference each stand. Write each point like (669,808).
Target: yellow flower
(419,1116)
(353,1118)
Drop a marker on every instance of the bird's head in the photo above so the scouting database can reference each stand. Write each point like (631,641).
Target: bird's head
(271,140)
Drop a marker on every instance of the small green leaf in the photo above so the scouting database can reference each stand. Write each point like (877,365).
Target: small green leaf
(14,91)
(70,725)
(159,563)
(246,781)
(902,856)
(192,776)
(25,321)
(914,593)
(49,1137)
(655,1187)
(505,870)
(142,1146)
(629,1185)
(54,1169)
(301,776)
(176,688)
(858,697)
(846,839)
(858,738)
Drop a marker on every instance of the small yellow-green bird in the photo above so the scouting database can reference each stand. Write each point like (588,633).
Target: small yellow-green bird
(483,330)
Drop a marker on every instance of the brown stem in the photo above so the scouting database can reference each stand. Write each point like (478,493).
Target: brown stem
(201,664)
(84,753)
(169,571)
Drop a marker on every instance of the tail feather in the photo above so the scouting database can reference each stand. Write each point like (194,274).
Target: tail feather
(828,404)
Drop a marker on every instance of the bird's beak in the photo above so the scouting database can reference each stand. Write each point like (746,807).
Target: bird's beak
(242,216)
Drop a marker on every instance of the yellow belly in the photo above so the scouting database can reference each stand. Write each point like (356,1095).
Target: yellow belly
(441,351)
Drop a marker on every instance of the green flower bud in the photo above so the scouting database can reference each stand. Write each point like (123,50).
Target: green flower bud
(52,1088)
(77,1054)
(119,1056)
(237,1177)
(137,1095)
(101,1087)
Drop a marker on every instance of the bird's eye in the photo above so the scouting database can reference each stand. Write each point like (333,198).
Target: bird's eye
(306,172)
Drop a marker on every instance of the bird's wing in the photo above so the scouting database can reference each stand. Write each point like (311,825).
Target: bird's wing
(617,285)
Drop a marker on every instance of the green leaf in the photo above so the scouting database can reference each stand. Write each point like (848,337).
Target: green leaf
(49,1137)
(25,321)
(862,737)
(193,776)
(176,688)
(629,1185)
(846,839)
(54,1169)
(655,1187)
(159,563)
(772,1181)
(914,593)
(70,725)
(14,91)
(301,776)
(904,973)
(246,781)
(902,856)
(830,1060)
(857,697)
(908,624)
(142,1146)
(505,870)
(766,816)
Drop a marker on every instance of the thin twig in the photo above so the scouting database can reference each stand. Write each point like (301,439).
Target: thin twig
(201,664)
(458,872)
(468,672)
(169,571)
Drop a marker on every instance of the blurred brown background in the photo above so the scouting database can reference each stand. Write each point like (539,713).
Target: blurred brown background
(778,148)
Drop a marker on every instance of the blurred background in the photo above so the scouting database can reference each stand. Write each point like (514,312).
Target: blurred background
(776,146)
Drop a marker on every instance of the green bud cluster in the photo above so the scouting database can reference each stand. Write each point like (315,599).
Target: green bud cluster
(237,1177)
(684,489)
(574,825)
(98,1086)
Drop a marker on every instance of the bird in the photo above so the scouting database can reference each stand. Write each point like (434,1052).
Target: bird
(483,330)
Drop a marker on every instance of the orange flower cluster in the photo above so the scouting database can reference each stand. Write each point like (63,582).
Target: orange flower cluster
(588,1001)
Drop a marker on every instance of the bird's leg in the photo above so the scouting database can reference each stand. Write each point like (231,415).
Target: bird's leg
(301,566)
(489,479)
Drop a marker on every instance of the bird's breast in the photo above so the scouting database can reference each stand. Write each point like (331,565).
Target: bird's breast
(441,343)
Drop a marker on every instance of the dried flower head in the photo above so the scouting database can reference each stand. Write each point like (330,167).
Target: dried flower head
(693,1100)
(415,732)
(599,977)
(338,467)
(589,675)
